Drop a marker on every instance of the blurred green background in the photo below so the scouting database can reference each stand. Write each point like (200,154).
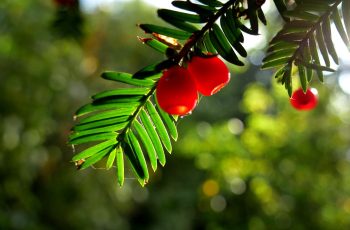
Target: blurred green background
(244,159)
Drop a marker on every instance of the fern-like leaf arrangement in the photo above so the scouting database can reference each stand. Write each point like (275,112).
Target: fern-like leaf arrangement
(305,41)
(127,125)
(128,121)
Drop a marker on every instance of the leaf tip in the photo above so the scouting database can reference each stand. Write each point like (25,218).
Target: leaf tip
(162,162)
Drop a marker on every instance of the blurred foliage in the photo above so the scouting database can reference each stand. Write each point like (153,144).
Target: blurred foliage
(68,21)
(245,159)
(288,169)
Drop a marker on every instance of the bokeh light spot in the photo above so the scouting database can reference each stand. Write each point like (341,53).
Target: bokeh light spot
(203,129)
(218,203)
(210,188)
(238,186)
(235,126)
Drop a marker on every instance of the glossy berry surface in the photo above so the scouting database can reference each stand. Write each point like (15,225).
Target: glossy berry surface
(209,73)
(304,101)
(176,91)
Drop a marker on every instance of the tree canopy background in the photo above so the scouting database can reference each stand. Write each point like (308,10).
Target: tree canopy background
(244,160)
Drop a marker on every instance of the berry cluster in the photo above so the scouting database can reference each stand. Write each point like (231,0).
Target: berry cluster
(177,89)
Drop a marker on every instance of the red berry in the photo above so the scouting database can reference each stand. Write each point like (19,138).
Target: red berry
(209,73)
(304,101)
(176,91)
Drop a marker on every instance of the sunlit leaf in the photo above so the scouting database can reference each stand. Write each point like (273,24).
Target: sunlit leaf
(126,78)
(169,122)
(107,114)
(150,129)
(155,44)
(136,148)
(133,160)
(105,129)
(89,108)
(120,165)
(178,34)
(92,138)
(290,37)
(111,158)
(101,123)
(282,45)
(147,143)
(275,63)
(121,92)
(97,157)
(158,123)
(94,149)
(121,99)
(296,26)
(279,54)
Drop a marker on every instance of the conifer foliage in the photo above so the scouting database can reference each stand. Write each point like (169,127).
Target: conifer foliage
(68,20)
(128,125)
(305,41)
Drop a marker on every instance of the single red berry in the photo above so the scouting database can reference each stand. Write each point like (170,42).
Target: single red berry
(176,91)
(304,101)
(65,2)
(209,73)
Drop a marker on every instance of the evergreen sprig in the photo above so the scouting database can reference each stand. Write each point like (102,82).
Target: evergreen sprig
(128,121)
(306,34)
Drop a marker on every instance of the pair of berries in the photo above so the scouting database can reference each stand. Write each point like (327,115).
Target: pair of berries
(304,101)
(177,89)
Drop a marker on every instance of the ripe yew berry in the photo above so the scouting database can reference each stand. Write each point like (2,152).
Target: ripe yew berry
(209,73)
(176,91)
(304,101)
